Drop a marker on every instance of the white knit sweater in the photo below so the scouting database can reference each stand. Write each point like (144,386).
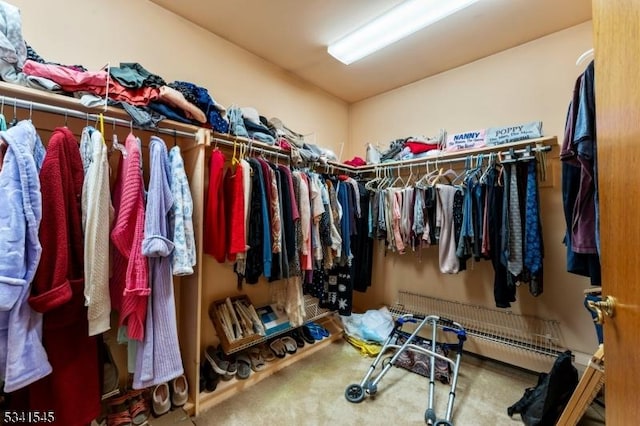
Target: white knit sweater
(97,215)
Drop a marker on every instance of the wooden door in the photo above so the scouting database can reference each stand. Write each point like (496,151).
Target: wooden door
(617,81)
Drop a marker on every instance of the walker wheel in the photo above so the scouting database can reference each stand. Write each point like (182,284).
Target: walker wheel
(371,388)
(430,416)
(354,393)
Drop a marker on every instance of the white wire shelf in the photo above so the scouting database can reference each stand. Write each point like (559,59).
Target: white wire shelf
(502,327)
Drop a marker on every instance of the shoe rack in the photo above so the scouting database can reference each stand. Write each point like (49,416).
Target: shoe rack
(212,281)
(227,389)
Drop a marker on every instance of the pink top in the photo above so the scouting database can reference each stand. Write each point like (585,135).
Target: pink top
(130,266)
(91,81)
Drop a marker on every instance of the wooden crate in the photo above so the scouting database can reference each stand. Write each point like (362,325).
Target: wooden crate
(230,343)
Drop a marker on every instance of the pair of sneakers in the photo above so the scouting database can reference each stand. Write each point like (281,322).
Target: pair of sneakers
(167,395)
(316,331)
(226,367)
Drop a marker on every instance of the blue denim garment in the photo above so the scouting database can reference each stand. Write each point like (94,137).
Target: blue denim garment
(594,298)
(263,137)
(143,117)
(478,192)
(236,123)
(345,222)
(171,113)
(587,265)
(266,236)
(255,127)
(533,236)
(463,250)
(39,153)
(199,96)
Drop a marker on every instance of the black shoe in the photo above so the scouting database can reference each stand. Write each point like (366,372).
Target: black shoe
(306,334)
(297,336)
(211,378)
(203,380)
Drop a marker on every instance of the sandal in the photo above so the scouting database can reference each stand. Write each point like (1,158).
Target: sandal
(138,407)
(257,363)
(317,331)
(266,353)
(244,366)
(306,335)
(289,344)
(119,414)
(278,348)
(314,332)
(297,336)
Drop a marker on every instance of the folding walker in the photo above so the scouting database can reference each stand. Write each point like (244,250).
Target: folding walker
(356,392)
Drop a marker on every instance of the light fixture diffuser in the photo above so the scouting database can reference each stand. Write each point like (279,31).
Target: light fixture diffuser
(400,22)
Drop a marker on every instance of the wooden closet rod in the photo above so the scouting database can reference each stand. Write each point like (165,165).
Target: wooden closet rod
(66,112)
(249,146)
(455,157)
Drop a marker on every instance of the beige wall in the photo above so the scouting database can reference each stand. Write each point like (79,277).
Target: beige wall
(92,33)
(530,82)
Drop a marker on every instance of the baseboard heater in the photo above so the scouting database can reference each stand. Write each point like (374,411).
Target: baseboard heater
(523,340)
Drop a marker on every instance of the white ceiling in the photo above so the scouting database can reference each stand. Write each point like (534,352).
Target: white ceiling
(294,34)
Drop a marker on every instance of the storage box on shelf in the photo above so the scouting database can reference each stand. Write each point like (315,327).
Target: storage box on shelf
(236,322)
(274,318)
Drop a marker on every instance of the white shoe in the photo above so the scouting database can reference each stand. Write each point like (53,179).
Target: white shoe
(160,399)
(179,391)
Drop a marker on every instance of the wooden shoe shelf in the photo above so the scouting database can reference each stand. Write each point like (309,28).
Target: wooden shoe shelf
(228,389)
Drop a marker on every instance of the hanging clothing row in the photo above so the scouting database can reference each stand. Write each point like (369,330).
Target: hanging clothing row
(76,249)
(289,226)
(580,180)
(490,213)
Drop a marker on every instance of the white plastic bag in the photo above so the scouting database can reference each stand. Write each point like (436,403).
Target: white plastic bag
(373,325)
(373,155)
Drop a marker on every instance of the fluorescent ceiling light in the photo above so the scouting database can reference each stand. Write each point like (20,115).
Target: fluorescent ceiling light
(400,22)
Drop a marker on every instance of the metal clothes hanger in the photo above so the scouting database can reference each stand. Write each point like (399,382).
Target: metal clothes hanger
(14,120)
(491,162)
(584,56)
(398,178)
(369,185)
(423,182)
(408,182)
(115,145)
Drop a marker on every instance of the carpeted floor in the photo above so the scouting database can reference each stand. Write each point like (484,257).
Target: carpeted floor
(311,392)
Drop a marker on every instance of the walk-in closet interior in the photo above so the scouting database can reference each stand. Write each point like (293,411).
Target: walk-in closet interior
(198,199)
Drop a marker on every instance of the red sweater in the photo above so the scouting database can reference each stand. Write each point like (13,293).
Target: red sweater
(215,234)
(234,203)
(72,391)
